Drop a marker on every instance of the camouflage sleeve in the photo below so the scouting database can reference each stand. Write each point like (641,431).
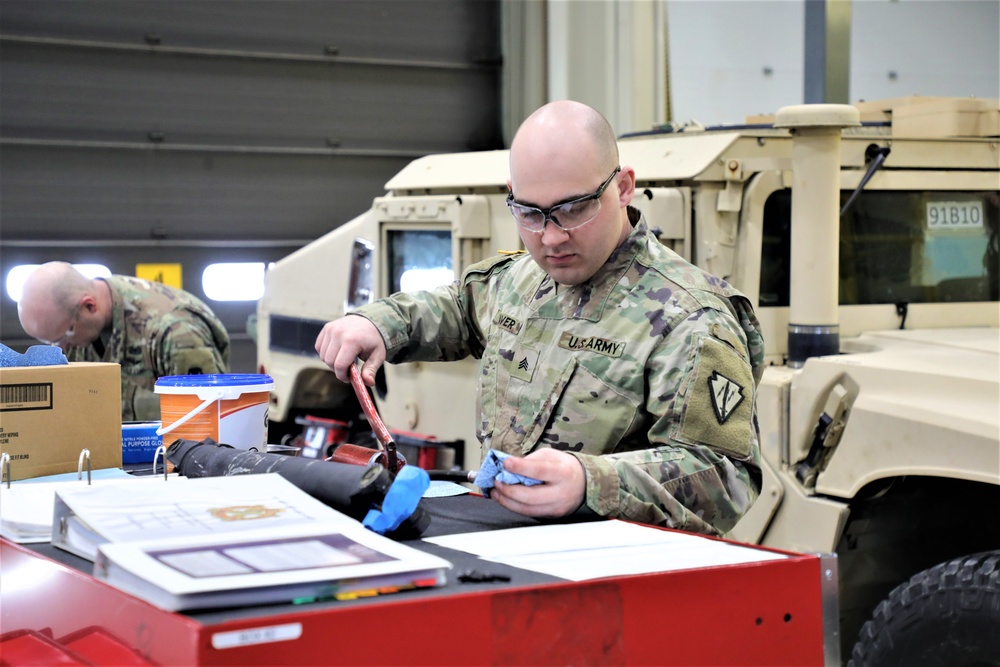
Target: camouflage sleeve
(81,354)
(701,471)
(144,404)
(442,324)
(187,348)
(421,326)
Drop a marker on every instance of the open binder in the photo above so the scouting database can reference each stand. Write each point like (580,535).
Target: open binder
(86,517)
(26,506)
(201,542)
(192,543)
(297,563)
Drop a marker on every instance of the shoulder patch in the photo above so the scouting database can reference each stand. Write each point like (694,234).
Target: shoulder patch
(718,403)
(726,395)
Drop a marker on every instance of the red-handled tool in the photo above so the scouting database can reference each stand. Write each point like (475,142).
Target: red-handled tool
(382,434)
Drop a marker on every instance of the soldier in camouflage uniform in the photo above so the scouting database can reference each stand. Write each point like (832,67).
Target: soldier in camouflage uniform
(620,375)
(150,329)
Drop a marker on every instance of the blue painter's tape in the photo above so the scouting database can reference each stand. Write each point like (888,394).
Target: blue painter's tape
(400,500)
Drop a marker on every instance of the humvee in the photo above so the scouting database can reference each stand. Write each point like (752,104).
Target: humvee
(867,238)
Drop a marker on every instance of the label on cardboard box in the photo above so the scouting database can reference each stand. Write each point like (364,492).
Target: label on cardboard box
(48,414)
(37,396)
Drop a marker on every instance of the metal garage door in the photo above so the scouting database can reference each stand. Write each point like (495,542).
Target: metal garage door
(223,130)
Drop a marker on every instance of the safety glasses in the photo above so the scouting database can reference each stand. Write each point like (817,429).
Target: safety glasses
(566,215)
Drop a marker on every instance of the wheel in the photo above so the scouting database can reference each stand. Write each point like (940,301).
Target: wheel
(946,616)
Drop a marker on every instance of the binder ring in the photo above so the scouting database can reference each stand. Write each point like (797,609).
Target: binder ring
(156,457)
(84,454)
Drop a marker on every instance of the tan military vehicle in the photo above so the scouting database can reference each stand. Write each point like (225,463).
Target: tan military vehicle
(880,410)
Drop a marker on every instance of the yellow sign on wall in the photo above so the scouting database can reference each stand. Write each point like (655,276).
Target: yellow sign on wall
(168,274)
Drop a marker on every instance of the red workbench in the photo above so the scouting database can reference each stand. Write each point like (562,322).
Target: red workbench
(767,613)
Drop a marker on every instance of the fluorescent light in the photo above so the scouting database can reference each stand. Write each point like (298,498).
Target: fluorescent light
(17,276)
(233,281)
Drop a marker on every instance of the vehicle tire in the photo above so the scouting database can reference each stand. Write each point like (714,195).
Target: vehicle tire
(946,616)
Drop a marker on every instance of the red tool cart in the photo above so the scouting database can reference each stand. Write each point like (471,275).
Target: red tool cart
(776,612)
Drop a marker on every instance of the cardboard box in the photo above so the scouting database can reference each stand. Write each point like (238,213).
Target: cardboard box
(48,414)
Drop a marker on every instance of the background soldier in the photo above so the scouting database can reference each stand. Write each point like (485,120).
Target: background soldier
(150,329)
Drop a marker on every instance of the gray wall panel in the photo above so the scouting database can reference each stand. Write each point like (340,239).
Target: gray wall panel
(65,93)
(142,194)
(419,30)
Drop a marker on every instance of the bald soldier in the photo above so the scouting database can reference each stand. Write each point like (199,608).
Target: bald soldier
(615,372)
(150,329)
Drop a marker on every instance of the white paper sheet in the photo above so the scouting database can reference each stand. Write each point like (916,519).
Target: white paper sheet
(598,549)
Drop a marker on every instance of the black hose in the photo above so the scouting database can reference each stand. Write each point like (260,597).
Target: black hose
(452,475)
(350,489)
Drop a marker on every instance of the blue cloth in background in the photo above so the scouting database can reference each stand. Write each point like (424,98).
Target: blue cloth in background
(36,355)
(492,470)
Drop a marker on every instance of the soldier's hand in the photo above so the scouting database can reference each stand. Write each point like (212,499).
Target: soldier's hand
(345,340)
(562,492)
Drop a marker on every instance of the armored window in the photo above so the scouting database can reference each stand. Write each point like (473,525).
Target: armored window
(419,259)
(897,247)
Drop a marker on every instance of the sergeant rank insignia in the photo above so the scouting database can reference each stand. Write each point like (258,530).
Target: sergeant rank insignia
(726,396)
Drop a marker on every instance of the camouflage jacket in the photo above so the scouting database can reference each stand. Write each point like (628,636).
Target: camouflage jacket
(157,330)
(647,373)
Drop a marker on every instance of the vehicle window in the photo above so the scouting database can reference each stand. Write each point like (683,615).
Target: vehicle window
(419,259)
(897,246)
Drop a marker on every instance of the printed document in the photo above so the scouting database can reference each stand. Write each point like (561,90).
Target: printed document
(88,516)
(591,550)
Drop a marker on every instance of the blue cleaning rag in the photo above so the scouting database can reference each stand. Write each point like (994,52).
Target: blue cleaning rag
(492,470)
(36,355)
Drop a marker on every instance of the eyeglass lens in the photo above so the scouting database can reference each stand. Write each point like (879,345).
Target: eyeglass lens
(568,215)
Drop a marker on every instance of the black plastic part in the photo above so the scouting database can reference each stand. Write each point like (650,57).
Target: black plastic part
(450,475)
(802,346)
(806,471)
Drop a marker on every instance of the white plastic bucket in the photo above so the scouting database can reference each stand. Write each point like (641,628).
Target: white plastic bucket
(229,408)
